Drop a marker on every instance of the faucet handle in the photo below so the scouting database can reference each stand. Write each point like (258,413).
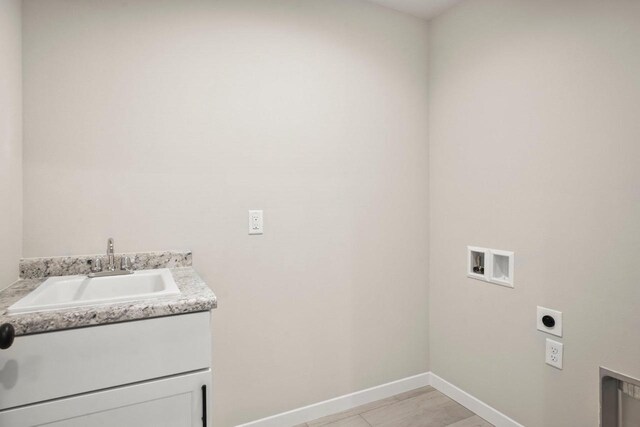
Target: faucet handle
(96,265)
(125,263)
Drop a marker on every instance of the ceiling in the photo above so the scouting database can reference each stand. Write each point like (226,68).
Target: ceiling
(425,9)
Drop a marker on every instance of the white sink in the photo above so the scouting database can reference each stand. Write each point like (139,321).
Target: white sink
(76,291)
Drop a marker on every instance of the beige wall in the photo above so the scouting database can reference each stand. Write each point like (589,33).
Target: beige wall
(161,122)
(535,147)
(10,140)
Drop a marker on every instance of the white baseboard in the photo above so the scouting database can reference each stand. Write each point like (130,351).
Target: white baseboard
(472,403)
(348,401)
(342,403)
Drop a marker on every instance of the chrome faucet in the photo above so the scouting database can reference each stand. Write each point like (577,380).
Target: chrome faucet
(110,270)
(111,260)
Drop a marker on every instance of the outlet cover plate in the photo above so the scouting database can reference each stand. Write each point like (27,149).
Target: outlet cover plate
(553,353)
(557,315)
(256,222)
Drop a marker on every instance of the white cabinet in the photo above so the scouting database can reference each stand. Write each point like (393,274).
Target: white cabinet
(153,372)
(179,401)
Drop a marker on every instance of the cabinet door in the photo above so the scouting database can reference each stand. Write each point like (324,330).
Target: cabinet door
(177,401)
(41,367)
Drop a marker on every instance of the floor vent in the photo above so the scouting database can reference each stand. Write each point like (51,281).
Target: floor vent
(619,399)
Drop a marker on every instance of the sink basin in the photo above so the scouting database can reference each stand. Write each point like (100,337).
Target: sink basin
(57,293)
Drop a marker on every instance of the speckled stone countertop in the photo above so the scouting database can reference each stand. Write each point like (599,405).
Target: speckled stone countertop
(194,296)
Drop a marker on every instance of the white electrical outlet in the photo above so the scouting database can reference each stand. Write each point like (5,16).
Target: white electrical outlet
(256,224)
(553,355)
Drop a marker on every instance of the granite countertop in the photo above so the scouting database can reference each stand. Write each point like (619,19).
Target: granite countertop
(194,295)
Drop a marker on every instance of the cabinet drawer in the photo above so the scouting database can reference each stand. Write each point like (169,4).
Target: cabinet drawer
(56,364)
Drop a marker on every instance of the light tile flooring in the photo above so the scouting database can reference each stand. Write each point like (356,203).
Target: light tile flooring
(423,407)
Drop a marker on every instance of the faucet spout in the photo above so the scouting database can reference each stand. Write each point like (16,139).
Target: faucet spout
(111,261)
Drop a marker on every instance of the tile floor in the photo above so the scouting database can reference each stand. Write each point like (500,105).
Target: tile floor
(423,407)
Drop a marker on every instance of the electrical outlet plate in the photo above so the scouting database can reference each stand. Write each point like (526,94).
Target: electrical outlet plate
(256,223)
(557,315)
(554,353)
